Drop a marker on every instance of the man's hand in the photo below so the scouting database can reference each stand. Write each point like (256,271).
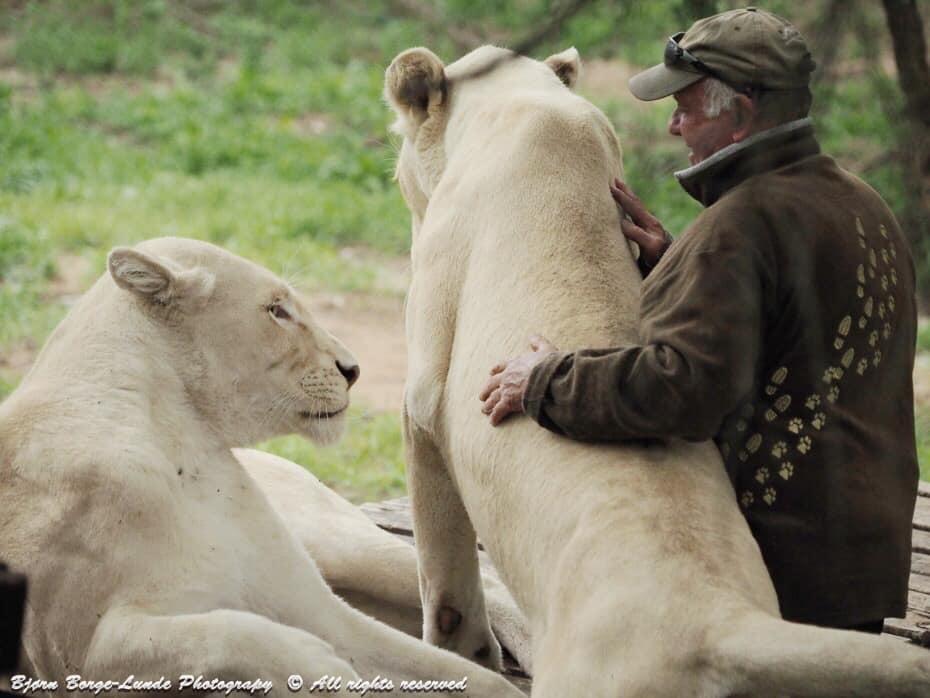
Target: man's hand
(641,227)
(503,393)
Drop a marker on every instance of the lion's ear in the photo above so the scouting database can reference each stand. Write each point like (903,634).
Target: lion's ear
(566,65)
(415,83)
(153,279)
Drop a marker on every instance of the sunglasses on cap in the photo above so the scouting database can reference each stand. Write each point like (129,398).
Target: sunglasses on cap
(675,54)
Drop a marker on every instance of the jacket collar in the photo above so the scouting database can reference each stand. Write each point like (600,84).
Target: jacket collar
(764,151)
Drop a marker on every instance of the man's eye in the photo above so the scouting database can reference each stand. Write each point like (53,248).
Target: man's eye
(279,312)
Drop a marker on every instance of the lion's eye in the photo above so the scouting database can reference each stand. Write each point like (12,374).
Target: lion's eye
(279,312)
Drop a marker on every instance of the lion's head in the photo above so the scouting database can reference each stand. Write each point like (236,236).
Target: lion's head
(251,357)
(439,106)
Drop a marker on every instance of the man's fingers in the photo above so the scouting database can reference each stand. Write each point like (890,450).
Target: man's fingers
(491,402)
(631,206)
(617,184)
(636,209)
(498,367)
(489,387)
(635,233)
(506,406)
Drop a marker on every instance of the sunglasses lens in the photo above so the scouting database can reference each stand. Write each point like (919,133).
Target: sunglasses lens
(675,53)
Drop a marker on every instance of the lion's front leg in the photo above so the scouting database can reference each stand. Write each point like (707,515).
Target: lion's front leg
(222,644)
(454,613)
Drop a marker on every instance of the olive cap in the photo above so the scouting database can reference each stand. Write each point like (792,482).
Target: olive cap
(743,48)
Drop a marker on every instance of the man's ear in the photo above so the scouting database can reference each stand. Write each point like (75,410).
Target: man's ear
(567,65)
(744,117)
(152,278)
(414,84)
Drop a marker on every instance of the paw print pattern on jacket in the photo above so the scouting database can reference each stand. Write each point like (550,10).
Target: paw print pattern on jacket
(819,420)
(860,231)
(776,380)
(841,332)
(858,342)
(848,357)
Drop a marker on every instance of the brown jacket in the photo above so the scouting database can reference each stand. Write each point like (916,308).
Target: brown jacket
(782,324)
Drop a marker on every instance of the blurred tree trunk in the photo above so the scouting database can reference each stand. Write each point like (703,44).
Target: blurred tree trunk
(689,11)
(828,35)
(910,53)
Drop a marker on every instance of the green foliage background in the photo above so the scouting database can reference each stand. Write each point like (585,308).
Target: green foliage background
(259,125)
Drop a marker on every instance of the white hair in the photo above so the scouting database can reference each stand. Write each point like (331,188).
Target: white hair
(718,97)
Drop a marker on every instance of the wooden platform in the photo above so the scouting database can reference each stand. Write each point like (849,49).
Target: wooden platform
(394,516)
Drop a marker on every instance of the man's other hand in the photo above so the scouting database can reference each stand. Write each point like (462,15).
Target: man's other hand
(641,227)
(503,393)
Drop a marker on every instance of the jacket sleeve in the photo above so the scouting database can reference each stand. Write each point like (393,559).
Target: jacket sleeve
(702,327)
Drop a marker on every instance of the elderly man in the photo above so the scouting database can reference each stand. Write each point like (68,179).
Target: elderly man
(781,324)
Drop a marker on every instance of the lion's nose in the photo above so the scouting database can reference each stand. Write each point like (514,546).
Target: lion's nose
(350,372)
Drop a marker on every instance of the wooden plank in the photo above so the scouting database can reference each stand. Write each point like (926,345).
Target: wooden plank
(919,602)
(920,563)
(919,582)
(914,627)
(923,489)
(392,515)
(922,513)
(921,542)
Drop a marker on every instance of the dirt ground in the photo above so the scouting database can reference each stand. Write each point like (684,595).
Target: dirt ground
(372,327)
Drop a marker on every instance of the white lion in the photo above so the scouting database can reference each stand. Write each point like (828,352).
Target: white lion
(149,549)
(636,571)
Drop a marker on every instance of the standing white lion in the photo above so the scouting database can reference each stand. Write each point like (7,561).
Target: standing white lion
(149,549)
(636,571)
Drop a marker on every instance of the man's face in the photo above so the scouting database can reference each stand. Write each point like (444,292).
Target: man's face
(704,135)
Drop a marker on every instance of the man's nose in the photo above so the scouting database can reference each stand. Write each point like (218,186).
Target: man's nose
(673,125)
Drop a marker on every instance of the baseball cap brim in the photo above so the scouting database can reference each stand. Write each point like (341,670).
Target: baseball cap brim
(661,81)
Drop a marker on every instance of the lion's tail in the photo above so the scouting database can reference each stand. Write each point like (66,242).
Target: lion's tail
(769,656)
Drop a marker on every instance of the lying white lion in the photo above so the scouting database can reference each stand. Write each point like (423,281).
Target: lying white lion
(369,568)
(636,571)
(149,549)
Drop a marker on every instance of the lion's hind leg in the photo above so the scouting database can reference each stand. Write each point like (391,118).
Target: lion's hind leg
(762,655)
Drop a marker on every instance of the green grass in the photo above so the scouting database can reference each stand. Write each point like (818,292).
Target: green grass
(367,464)
(260,126)
(261,130)
(922,422)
